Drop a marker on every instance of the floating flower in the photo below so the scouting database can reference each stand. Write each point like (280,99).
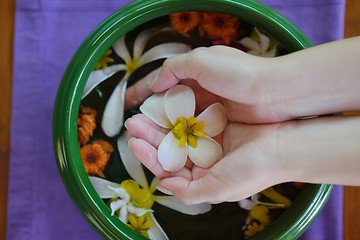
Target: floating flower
(140,224)
(105,59)
(259,211)
(86,124)
(137,197)
(112,119)
(259,44)
(95,157)
(184,22)
(219,26)
(189,135)
(253,228)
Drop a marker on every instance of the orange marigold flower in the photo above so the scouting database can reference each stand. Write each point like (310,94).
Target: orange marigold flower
(219,26)
(86,124)
(184,22)
(105,145)
(95,158)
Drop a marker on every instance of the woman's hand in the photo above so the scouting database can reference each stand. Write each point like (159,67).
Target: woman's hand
(248,166)
(217,74)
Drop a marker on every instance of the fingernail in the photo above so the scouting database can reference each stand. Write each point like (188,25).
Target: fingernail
(126,122)
(131,140)
(151,82)
(164,190)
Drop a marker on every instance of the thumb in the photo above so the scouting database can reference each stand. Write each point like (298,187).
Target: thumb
(172,72)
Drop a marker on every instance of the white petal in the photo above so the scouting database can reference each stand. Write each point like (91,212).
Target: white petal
(155,231)
(143,38)
(171,157)
(271,53)
(155,181)
(179,102)
(123,214)
(131,163)
(214,118)
(153,107)
(207,152)
(98,76)
(164,50)
(116,205)
(174,203)
(121,193)
(121,50)
(113,116)
(256,53)
(250,44)
(102,187)
(246,204)
(137,211)
(264,41)
(255,197)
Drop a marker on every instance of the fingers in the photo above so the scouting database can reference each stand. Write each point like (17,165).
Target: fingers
(145,138)
(140,126)
(175,69)
(205,189)
(147,154)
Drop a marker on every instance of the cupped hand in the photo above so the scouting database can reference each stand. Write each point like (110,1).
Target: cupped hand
(219,74)
(249,164)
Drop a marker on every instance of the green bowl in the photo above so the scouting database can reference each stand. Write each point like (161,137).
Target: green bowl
(289,225)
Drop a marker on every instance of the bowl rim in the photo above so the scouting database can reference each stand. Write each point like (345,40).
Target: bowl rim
(68,100)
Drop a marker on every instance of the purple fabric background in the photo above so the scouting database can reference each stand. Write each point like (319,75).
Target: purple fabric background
(47,33)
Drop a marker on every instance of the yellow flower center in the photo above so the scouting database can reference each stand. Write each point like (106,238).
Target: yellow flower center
(140,224)
(140,197)
(188,131)
(132,65)
(105,59)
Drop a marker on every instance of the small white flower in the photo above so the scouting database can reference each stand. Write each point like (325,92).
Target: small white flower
(107,189)
(113,115)
(260,47)
(188,136)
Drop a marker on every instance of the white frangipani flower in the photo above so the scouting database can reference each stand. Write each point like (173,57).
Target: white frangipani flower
(188,136)
(136,199)
(112,120)
(260,47)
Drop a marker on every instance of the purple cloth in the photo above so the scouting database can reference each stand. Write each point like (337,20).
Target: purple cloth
(47,33)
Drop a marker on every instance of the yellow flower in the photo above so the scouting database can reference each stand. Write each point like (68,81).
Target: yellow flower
(253,228)
(140,197)
(260,213)
(104,60)
(188,131)
(276,197)
(140,224)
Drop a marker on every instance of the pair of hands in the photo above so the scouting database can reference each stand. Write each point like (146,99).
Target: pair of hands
(245,168)
(262,144)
